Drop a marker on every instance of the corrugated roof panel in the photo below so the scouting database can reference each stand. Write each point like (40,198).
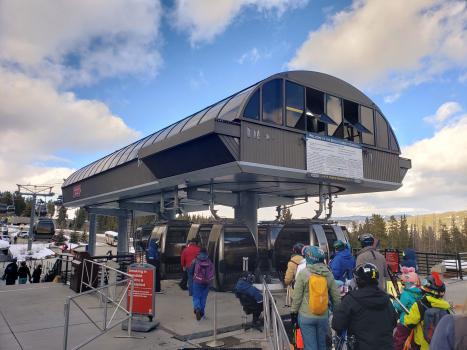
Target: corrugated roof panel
(213,112)
(229,112)
(195,119)
(115,160)
(178,127)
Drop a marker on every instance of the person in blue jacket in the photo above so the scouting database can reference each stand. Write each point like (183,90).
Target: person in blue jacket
(409,257)
(245,285)
(153,258)
(341,261)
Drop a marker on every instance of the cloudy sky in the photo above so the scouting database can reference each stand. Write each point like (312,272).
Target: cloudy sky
(79,79)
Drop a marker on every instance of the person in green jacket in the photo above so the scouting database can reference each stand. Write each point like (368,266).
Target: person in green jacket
(312,326)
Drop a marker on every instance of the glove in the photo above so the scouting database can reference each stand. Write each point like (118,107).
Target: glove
(294,319)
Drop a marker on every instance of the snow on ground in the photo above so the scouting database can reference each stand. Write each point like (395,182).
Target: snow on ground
(4,244)
(38,251)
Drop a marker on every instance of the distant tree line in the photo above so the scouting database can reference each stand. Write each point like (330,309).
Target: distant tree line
(397,234)
(23,205)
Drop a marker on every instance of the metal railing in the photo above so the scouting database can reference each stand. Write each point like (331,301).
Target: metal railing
(274,329)
(107,295)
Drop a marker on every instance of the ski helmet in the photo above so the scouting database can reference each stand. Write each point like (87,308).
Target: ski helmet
(366,274)
(297,248)
(339,246)
(366,239)
(434,286)
(247,276)
(313,255)
(409,277)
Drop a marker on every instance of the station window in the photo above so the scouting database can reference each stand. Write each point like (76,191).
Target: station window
(351,121)
(394,145)
(272,102)
(334,111)
(315,111)
(252,108)
(382,131)
(366,115)
(294,105)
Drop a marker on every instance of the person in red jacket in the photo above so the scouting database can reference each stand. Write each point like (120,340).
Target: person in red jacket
(188,255)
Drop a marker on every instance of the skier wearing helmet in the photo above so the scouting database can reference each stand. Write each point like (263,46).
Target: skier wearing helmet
(368,254)
(342,260)
(366,313)
(412,293)
(292,265)
(430,307)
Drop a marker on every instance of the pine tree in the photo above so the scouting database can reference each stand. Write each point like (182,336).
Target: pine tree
(20,204)
(84,237)
(62,216)
(456,237)
(393,233)
(378,230)
(80,217)
(424,239)
(60,239)
(286,215)
(445,238)
(51,208)
(404,236)
(27,208)
(74,237)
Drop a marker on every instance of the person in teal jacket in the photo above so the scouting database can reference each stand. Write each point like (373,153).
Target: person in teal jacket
(412,293)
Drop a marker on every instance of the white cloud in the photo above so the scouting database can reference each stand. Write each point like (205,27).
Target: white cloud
(392,98)
(49,47)
(462,78)
(388,45)
(205,19)
(443,113)
(252,55)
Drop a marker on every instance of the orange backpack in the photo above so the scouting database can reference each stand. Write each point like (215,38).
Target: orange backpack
(318,289)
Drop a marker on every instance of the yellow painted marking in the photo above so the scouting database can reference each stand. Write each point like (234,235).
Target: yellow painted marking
(294,110)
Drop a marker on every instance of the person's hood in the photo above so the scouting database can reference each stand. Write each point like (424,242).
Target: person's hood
(371,297)
(320,269)
(243,286)
(202,256)
(153,243)
(413,289)
(366,249)
(345,254)
(409,254)
(303,261)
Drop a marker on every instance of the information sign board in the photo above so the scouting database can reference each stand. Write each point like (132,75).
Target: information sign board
(144,302)
(336,159)
(77,191)
(392,259)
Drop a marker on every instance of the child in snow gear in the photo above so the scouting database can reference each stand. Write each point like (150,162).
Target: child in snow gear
(202,270)
(23,273)
(366,313)
(245,291)
(11,273)
(426,313)
(36,275)
(341,261)
(412,293)
(368,254)
(292,265)
(188,255)
(153,258)
(313,326)
(409,259)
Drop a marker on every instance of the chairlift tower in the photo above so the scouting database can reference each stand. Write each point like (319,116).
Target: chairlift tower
(34,191)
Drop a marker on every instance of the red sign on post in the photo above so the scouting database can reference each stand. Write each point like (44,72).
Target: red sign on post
(143,293)
(392,259)
(76,191)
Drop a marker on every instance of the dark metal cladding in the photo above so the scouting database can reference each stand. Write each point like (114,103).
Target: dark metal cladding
(202,153)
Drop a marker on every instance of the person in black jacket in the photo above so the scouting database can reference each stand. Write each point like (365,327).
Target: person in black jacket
(367,313)
(24,273)
(36,275)
(11,273)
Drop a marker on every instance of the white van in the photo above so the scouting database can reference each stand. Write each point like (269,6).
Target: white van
(111,237)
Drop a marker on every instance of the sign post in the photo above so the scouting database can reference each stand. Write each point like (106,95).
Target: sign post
(392,259)
(144,296)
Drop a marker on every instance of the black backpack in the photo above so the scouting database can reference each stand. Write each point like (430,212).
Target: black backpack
(431,317)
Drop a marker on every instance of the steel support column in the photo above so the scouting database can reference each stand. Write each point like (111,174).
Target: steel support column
(124,231)
(92,234)
(248,211)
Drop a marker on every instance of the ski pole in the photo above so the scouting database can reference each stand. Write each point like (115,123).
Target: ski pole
(400,304)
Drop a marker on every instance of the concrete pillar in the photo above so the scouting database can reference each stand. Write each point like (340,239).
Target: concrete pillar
(124,231)
(248,211)
(92,234)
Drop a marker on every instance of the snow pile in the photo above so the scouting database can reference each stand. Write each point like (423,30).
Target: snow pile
(38,251)
(4,244)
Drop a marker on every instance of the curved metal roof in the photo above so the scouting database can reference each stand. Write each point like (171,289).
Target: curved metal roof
(227,109)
